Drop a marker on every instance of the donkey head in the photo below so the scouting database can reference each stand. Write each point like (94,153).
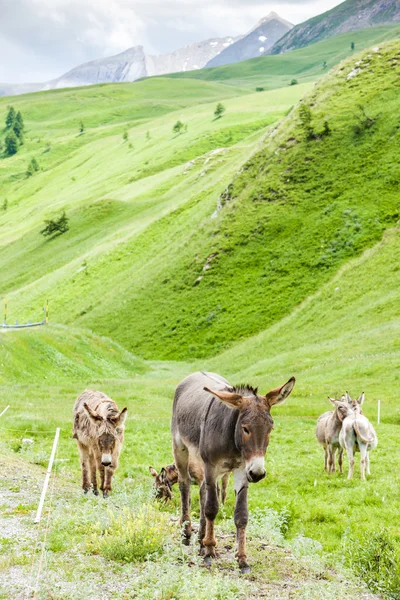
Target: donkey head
(342,407)
(254,424)
(109,433)
(356,404)
(164,480)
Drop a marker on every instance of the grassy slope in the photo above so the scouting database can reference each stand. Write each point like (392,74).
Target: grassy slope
(305,64)
(111,193)
(330,23)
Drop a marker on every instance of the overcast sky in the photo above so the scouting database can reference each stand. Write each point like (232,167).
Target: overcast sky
(42,39)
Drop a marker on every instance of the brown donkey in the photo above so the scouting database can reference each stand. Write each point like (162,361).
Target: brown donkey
(99,430)
(168,476)
(228,428)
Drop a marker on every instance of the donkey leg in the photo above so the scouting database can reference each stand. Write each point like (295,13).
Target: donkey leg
(224,487)
(211,507)
(350,454)
(326,468)
(341,460)
(333,460)
(363,459)
(367,464)
(84,455)
(202,528)
(93,474)
(108,475)
(181,455)
(241,518)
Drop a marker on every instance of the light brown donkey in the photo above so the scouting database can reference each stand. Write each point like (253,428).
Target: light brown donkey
(99,430)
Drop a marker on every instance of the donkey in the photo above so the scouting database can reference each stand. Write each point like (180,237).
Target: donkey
(228,428)
(99,430)
(168,476)
(358,434)
(328,429)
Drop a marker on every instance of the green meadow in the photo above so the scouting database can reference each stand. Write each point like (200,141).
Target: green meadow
(260,245)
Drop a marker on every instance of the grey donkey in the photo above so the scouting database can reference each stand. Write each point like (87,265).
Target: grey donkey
(328,430)
(228,429)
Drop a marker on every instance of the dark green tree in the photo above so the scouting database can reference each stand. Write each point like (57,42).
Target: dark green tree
(178,127)
(294,82)
(55,226)
(81,127)
(33,168)
(125,136)
(219,110)
(11,143)
(18,126)
(10,118)
(325,65)
(353,45)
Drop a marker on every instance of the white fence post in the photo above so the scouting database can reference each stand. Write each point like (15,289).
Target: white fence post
(5,410)
(47,478)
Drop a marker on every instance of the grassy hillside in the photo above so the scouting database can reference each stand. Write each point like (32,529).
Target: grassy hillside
(304,65)
(348,16)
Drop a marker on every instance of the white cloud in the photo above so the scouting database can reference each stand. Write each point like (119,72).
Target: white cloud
(41,39)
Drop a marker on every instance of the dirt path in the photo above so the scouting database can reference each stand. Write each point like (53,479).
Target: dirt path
(70,572)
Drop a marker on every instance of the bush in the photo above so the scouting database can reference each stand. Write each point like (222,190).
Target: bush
(375,557)
(219,110)
(364,122)
(178,127)
(33,168)
(260,89)
(58,226)
(294,82)
(132,537)
(305,121)
(125,136)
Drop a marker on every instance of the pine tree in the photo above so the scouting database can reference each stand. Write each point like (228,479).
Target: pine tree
(33,168)
(11,116)
(11,142)
(178,127)
(18,126)
(219,111)
(353,45)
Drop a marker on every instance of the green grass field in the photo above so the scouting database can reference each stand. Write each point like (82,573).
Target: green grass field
(296,273)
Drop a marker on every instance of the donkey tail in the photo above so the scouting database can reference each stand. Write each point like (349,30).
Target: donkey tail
(359,435)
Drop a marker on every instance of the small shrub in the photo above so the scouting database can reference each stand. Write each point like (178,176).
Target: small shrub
(33,168)
(375,557)
(294,82)
(5,204)
(305,121)
(219,110)
(132,537)
(81,127)
(352,45)
(125,136)
(178,127)
(364,122)
(55,226)
(260,89)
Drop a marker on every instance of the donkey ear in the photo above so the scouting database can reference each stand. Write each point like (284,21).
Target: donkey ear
(120,420)
(92,414)
(332,400)
(153,471)
(348,398)
(231,399)
(361,399)
(279,395)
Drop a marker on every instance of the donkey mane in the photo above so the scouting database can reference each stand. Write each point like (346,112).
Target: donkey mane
(244,389)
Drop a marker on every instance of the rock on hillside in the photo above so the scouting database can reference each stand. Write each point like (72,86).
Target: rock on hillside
(260,39)
(348,16)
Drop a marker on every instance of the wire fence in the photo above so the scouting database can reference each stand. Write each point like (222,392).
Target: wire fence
(17,325)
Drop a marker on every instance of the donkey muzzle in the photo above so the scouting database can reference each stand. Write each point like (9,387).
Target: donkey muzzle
(255,470)
(106,460)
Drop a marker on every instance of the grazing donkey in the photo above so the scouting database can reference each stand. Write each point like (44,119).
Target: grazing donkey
(99,430)
(228,428)
(328,429)
(356,434)
(168,476)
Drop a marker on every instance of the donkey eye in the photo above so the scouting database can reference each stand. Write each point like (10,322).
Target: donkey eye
(247,432)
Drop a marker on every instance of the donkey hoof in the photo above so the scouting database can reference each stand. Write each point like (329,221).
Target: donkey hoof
(245,570)
(186,540)
(86,491)
(105,495)
(96,492)
(208,561)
